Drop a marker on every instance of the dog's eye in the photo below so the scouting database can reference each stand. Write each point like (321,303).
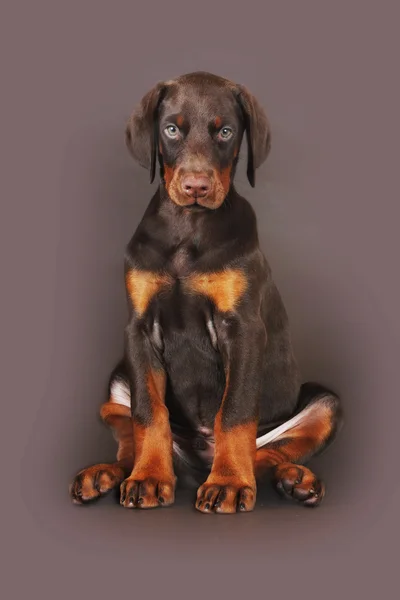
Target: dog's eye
(225,133)
(172,131)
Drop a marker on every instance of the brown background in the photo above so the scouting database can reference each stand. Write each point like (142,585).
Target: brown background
(327,204)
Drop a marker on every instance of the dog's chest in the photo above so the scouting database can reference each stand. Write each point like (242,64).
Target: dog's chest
(182,260)
(183,315)
(183,272)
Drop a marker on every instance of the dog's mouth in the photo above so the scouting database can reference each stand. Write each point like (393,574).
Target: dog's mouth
(199,202)
(195,204)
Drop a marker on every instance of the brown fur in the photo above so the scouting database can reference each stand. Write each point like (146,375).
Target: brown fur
(98,480)
(202,302)
(231,482)
(152,480)
(299,442)
(142,286)
(224,288)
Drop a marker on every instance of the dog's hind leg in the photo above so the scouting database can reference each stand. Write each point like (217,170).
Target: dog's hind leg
(286,448)
(97,480)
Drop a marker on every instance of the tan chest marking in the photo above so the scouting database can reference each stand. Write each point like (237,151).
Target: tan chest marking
(142,286)
(224,288)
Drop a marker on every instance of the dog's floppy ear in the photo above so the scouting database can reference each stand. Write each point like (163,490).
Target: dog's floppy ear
(141,133)
(257,131)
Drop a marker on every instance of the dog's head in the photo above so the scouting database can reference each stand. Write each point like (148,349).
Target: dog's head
(194,126)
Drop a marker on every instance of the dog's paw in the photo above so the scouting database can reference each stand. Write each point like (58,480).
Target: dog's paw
(147,493)
(298,483)
(225,498)
(93,482)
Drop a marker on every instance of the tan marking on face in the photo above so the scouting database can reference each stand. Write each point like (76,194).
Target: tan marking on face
(168,175)
(179,120)
(220,184)
(224,288)
(218,122)
(225,178)
(142,286)
(172,179)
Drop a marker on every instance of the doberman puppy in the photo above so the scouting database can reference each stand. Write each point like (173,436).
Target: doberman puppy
(208,388)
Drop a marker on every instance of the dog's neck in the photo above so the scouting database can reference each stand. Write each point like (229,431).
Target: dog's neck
(178,240)
(226,231)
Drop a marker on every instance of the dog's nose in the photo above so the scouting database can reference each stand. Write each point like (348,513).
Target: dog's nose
(196,186)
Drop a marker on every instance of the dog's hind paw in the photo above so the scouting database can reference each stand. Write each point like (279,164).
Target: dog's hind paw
(93,482)
(298,483)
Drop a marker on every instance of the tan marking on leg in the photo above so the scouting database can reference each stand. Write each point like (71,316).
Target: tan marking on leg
(152,481)
(97,480)
(118,418)
(235,449)
(299,442)
(112,409)
(231,485)
(224,288)
(235,452)
(142,286)
(153,442)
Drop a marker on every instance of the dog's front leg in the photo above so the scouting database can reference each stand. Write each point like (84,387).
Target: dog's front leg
(152,481)
(231,485)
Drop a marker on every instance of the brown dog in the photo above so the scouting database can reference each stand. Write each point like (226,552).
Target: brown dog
(208,385)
